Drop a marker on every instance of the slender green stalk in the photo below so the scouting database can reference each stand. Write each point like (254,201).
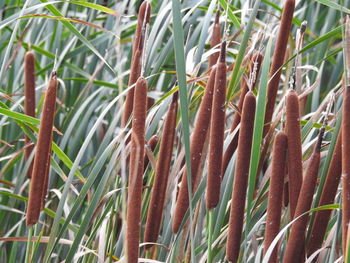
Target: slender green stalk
(29,249)
(210,226)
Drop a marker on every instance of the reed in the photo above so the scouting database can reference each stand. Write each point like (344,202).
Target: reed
(29,100)
(329,191)
(198,138)
(42,152)
(133,216)
(278,60)
(254,69)
(215,40)
(155,209)
(239,192)
(295,165)
(137,50)
(275,196)
(296,242)
(217,129)
(346,164)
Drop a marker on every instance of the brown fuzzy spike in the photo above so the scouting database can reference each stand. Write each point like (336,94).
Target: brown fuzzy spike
(217,129)
(296,242)
(241,178)
(295,166)
(155,209)
(215,40)
(274,205)
(278,60)
(231,148)
(199,134)
(42,152)
(133,217)
(29,100)
(346,164)
(328,194)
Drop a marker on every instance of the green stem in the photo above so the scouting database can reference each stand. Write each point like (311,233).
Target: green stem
(29,246)
(210,235)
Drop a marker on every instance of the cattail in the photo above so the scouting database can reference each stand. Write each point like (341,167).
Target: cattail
(135,70)
(29,100)
(274,205)
(254,69)
(215,40)
(155,210)
(217,129)
(329,191)
(137,150)
(295,166)
(296,242)
(241,178)
(278,59)
(346,164)
(42,152)
(199,135)
(152,143)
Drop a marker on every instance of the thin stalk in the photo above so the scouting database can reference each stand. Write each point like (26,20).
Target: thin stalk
(210,225)
(29,249)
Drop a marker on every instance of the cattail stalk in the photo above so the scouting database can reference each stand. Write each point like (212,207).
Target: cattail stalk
(241,178)
(346,164)
(329,191)
(254,69)
(155,209)
(198,138)
(152,143)
(29,100)
(135,70)
(215,40)
(296,242)
(295,166)
(274,205)
(42,152)
(278,59)
(217,129)
(133,216)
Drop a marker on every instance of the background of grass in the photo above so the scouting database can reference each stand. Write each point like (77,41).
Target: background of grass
(84,215)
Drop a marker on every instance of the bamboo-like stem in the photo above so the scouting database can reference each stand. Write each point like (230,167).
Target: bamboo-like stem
(137,51)
(275,196)
(278,60)
(346,164)
(253,69)
(241,178)
(210,225)
(295,166)
(198,138)
(215,40)
(327,197)
(133,216)
(42,152)
(217,129)
(296,242)
(155,209)
(29,100)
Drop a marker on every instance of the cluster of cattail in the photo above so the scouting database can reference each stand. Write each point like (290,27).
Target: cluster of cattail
(286,174)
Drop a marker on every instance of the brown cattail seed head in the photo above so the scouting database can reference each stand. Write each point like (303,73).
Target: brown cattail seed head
(42,152)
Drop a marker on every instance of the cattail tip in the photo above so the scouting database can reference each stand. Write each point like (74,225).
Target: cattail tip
(217,17)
